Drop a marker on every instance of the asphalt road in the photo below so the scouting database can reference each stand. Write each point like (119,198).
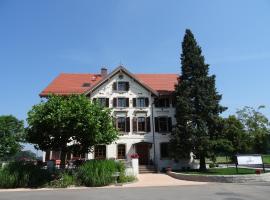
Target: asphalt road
(203,192)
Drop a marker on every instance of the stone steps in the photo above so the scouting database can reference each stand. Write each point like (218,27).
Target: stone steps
(144,169)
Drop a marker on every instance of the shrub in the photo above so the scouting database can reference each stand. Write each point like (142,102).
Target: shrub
(212,165)
(21,174)
(97,172)
(64,180)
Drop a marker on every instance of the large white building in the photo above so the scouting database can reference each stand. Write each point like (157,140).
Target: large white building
(143,108)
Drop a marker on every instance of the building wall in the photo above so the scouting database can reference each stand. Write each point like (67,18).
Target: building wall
(135,90)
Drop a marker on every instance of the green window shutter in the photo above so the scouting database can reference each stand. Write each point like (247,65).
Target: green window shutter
(134,124)
(127,124)
(134,102)
(114,86)
(148,124)
(156,124)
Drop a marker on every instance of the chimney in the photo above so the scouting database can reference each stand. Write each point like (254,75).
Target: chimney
(103,72)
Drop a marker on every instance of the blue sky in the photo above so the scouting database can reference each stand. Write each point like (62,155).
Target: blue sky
(40,39)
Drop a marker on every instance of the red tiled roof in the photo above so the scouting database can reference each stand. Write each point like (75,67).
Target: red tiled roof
(66,84)
(159,82)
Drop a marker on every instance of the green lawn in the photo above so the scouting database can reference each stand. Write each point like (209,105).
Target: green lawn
(223,160)
(266,159)
(220,159)
(223,171)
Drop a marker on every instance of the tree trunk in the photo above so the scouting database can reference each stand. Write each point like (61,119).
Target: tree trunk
(63,158)
(202,163)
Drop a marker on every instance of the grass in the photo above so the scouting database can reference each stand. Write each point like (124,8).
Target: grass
(223,160)
(266,159)
(223,171)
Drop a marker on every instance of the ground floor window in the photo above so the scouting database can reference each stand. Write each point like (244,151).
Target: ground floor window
(100,152)
(121,151)
(164,150)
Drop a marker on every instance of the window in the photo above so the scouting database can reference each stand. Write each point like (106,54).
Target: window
(104,102)
(121,151)
(100,152)
(141,124)
(140,102)
(163,124)
(164,150)
(120,86)
(121,102)
(123,124)
(162,103)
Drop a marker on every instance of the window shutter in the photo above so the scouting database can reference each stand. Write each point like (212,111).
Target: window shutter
(148,124)
(127,102)
(114,122)
(127,124)
(107,102)
(127,86)
(134,102)
(114,86)
(170,124)
(114,102)
(134,124)
(146,102)
(156,124)
(94,100)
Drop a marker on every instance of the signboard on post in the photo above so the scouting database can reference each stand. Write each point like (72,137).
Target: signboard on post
(249,159)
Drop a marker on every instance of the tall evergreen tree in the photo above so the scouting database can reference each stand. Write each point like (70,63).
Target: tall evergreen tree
(197,106)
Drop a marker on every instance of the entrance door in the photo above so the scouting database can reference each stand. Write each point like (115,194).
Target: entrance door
(142,150)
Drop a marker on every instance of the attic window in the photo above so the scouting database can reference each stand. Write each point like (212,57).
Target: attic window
(86,85)
(121,76)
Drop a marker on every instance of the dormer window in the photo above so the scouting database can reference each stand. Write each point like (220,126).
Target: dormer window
(121,86)
(86,85)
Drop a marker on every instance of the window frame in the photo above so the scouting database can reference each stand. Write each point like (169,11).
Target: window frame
(100,157)
(145,128)
(121,157)
(166,102)
(117,122)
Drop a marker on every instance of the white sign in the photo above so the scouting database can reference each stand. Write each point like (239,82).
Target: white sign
(249,159)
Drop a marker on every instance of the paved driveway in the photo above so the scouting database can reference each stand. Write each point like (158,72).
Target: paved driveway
(152,180)
(195,192)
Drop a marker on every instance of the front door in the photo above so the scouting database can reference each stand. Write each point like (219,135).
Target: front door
(142,149)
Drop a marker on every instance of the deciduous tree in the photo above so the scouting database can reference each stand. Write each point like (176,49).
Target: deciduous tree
(11,134)
(69,124)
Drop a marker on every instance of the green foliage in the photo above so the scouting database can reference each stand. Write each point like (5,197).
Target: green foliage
(257,127)
(11,134)
(235,133)
(98,172)
(64,180)
(63,119)
(197,106)
(24,155)
(20,174)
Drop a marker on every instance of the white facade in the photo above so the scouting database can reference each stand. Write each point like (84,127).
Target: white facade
(131,138)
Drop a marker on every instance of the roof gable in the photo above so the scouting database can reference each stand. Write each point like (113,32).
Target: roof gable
(121,69)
